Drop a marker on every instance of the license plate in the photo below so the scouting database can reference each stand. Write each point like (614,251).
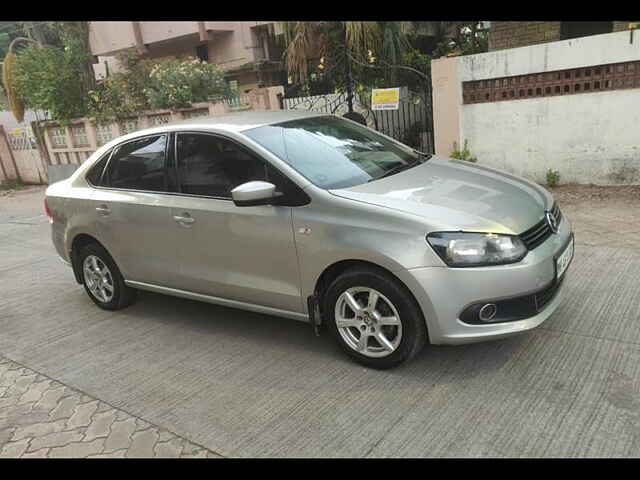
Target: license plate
(563,261)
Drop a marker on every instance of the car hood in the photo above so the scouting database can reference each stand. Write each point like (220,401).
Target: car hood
(457,195)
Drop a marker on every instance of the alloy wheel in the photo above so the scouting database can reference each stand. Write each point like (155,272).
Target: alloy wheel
(98,278)
(368,322)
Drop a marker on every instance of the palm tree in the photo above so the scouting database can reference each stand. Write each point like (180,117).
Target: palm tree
(342,48)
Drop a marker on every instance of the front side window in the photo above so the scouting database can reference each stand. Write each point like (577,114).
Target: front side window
(212,166)
(139,165)
(334,153)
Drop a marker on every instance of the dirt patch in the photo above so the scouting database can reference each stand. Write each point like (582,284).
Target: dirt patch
(575,194)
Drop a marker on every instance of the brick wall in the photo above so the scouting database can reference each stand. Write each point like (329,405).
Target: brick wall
(520,34)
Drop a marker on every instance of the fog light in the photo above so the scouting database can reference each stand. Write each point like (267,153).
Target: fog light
(487,312)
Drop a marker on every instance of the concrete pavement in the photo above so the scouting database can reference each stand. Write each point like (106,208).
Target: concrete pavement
(240,384)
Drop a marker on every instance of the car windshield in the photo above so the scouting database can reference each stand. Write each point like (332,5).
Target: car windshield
(335,153)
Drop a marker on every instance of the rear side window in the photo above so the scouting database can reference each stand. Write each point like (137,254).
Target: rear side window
(140,165)
(94,177)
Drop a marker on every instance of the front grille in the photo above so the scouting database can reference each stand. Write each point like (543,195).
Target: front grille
(537,234)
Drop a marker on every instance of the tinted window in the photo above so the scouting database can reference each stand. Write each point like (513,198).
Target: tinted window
(95,173)
(331,152)
(140,165)
(212,166)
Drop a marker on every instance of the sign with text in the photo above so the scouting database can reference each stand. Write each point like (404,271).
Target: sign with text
(385,98)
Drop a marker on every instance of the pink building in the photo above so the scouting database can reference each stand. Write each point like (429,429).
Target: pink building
(247,51)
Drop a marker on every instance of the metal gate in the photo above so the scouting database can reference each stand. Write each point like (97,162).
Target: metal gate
(411,123)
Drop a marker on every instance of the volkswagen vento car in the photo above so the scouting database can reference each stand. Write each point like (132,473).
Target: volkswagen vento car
(316,218)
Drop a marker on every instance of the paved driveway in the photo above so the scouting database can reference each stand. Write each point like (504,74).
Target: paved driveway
(241,384)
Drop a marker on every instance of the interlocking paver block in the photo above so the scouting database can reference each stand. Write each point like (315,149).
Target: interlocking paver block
(143,443)
(57,439)
(10,376)
(22,415)
(82,415)
(120,436)
(170,449)
(42,453)
(65,408)
(35,391)
(78,449)
(24,382)
(100,425)
(8,402)
(116,454)
(196,452)
(14,449)
(37,430)
(50,399)
(6,434)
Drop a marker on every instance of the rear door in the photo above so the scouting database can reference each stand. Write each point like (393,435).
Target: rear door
(245,254)
(132,207)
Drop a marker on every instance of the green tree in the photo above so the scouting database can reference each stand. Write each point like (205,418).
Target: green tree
(46,78)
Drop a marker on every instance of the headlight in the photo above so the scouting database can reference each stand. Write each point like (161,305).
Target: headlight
(459,249)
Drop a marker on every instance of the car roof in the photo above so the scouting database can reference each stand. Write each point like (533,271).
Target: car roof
(231,122)
(245,120)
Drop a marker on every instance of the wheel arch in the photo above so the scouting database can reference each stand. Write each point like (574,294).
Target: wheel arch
(79,241)
(337,268)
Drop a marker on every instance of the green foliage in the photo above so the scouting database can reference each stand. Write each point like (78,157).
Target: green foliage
(463,38)
(553,178)
(11,184)
(121,95)
(154,84)
(175,83)
(463,154)
(5,40)
(46,78)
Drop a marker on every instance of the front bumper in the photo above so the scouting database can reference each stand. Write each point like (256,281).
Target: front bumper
(444,293)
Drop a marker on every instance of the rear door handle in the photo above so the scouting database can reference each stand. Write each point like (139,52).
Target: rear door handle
(103,210)
(184,220)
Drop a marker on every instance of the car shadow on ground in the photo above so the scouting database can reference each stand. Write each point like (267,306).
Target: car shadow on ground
(260,332)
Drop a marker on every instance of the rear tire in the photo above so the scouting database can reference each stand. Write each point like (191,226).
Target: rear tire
(102,279)
(384,327)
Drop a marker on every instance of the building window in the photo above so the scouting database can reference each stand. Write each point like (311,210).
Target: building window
(58,137)
(583,29)
(103,134)
(79,135)
(202,52)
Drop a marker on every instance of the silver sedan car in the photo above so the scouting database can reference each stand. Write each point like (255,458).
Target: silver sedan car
(316,218)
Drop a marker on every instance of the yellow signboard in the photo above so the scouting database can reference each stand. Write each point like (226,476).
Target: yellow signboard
(385,98)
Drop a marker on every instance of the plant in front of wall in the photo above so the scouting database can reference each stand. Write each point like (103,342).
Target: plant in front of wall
(553,177)
(177,83)
(464,154)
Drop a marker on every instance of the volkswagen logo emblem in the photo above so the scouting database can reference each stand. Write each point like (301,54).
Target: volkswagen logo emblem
(553,223)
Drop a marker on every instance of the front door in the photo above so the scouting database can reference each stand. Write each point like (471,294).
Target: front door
(245,254)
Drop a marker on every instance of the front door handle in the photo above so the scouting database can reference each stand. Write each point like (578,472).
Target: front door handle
(103,210)
(184,220)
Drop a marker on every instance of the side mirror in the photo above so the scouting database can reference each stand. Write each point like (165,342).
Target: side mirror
(255,193)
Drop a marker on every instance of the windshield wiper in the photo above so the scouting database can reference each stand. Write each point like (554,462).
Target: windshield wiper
(397,169)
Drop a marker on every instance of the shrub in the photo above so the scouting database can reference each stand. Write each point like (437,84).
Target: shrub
(463,154)
(553,177)
(175,83)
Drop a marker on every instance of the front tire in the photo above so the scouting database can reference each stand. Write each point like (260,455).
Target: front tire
(102,279)
(374,318)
